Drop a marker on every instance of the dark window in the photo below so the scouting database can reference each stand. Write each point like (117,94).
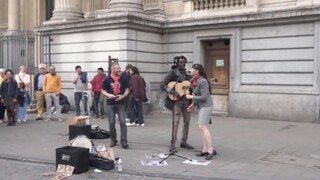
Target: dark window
(49,9)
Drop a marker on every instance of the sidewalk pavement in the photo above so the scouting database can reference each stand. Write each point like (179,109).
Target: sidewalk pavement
(248,148)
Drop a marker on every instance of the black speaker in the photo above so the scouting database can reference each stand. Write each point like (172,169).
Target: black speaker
(77,157)
(77,130)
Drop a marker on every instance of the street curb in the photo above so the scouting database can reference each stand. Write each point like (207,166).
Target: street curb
(17,158)
(158,175)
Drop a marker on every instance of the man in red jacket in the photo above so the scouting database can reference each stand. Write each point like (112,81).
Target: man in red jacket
(98,98)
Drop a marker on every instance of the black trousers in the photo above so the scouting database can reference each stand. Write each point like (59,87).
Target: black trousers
(2,111)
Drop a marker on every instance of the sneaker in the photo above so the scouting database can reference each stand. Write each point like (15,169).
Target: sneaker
(48,119)
(1,121)
(141,125)
(130,124)
(127,119)
(24,120)
(19,121)
(60,119)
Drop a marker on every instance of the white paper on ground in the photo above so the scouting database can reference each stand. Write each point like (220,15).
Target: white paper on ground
(197,162)
(153,163)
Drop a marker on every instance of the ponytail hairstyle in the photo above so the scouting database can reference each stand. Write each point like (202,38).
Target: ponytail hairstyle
(202,72)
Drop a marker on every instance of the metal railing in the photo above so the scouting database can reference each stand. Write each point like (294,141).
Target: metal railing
(22,48)
(200,5)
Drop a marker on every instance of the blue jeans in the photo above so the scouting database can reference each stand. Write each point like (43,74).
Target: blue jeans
(23,109)
(99,100)
(23,112)
(77,99)
(112,110)
(136,111)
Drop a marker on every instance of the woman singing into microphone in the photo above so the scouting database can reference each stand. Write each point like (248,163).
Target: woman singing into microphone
(202,99)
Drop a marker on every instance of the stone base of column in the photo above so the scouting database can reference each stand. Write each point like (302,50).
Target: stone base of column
(63,15)
(156,13)
(117,7)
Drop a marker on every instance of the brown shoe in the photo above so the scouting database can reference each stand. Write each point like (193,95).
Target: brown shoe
(113,143)
(186,145)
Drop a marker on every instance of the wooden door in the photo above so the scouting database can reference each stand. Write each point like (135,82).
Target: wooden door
(217,60)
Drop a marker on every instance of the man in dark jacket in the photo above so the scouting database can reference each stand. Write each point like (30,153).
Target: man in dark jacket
(178,74)
(38,83)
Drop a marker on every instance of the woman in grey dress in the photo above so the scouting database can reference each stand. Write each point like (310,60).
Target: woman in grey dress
(202,99)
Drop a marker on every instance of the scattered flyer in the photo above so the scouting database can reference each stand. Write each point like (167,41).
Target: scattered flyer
(155,156)
(197,162)
(153,163)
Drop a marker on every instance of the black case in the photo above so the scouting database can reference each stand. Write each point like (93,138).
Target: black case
(76,130)
(77,157)
(101,163)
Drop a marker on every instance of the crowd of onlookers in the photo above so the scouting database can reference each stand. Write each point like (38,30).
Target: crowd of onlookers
(123,92)
(15,94)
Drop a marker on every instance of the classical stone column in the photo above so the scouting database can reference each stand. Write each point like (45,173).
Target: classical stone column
(154,8)
(122,7)
(90,6)
(67,10)
(135,6)
(13,15)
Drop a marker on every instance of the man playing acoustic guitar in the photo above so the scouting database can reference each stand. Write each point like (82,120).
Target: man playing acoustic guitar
(175,84)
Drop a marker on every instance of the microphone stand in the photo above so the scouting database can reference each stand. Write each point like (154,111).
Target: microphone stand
(171,152)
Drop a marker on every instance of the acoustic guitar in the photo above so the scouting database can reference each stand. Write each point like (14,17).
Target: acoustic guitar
(182,88)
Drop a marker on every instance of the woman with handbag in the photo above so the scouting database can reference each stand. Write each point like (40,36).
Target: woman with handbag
(202,99)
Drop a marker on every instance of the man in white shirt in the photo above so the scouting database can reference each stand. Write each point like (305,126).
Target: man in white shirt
(80,81)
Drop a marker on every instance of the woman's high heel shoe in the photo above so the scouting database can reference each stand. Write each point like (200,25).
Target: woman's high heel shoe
(202,154)
(210,155)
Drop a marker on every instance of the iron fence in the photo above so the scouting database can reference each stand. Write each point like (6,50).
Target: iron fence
(23,48)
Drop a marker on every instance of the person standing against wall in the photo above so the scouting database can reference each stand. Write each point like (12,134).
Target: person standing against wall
(80,81)
(38,88)
(9,94)
(98,98)
(2,107)
(22,76)
(52,90)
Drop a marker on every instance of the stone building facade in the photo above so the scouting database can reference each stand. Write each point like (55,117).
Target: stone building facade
(264,53)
